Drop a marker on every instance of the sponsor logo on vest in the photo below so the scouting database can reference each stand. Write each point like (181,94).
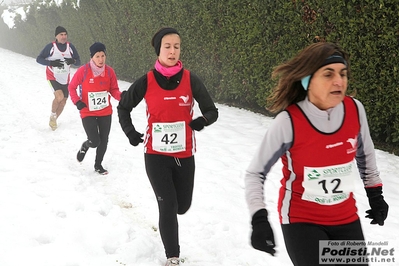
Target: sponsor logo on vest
(329,146)
(185,100)
(353,143)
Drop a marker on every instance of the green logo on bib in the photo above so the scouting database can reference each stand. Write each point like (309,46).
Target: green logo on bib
(313,175)
(157,128)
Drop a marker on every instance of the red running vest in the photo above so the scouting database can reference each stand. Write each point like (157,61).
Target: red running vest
(169,106)
(89,89)
(313,148)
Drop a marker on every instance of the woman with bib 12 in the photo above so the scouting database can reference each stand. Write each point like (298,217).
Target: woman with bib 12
(97,82)
(319,133)
(169,91)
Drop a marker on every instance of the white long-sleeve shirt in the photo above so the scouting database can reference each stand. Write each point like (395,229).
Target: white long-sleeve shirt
(279,138)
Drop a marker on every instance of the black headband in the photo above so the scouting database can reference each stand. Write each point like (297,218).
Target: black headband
(156,40)
(335,58)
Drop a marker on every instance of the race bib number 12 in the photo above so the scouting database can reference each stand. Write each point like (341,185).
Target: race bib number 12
(329,185)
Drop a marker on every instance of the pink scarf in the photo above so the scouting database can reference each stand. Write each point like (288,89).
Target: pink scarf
(97,71)
(168,71)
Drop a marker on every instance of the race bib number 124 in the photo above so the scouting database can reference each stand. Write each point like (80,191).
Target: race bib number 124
(98,100)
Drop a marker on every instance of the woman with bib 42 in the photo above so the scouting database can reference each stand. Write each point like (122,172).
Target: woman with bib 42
(319,134)
(97,82)
(169,91)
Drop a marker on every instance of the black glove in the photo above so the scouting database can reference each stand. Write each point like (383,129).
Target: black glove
(135,137)
(198,123)
(379,208)
(80,105)
(69,61)
(56,63)
(262,237)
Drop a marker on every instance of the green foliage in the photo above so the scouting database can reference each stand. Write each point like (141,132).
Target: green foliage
(232,45)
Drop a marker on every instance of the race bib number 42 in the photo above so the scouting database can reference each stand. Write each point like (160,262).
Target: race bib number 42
(169,137)
(98,100)
(329,185)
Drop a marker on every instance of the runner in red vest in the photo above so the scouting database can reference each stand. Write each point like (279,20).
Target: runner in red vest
(169,91)
(97,82)
(58,56)
(320,135)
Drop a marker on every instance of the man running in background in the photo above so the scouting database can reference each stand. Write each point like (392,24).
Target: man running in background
(58,56)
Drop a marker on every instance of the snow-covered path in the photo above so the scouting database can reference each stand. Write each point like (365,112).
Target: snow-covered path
(57,212)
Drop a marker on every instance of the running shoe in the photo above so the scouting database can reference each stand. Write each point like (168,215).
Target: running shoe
(53,122)
(82,152)
(172,261)
(99,169)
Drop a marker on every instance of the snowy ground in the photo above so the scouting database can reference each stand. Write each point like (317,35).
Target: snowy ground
(55,211)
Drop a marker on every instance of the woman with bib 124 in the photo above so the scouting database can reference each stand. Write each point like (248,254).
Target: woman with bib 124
(97,82)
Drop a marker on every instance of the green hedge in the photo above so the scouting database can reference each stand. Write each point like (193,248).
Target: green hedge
(233,45)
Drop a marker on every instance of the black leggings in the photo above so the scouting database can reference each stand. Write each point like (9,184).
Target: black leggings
(97,129)
(302,240)
(172,180)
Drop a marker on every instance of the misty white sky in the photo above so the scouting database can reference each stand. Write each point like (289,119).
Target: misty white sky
(15,1)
